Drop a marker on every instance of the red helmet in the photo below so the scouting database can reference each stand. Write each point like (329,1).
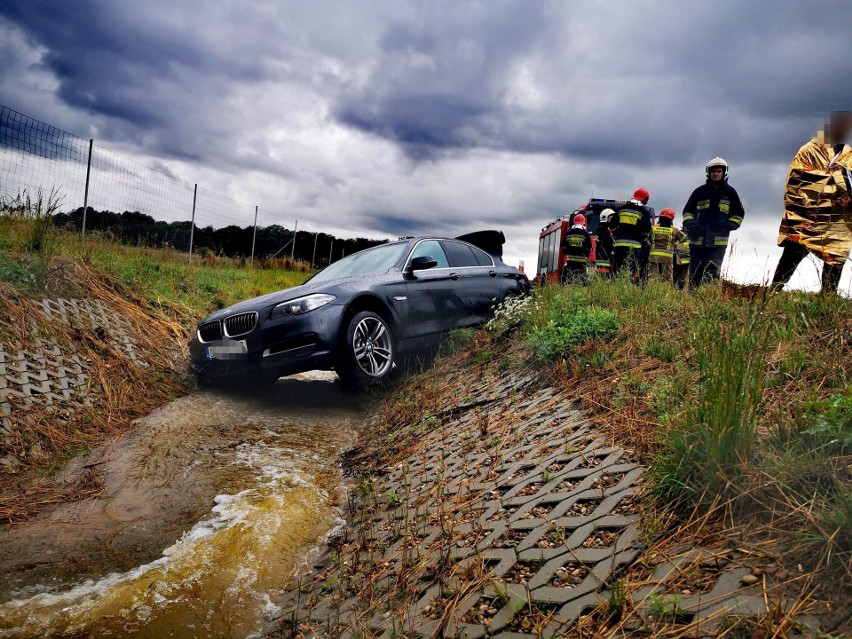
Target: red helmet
(668,212)
(580,219)
(642,195)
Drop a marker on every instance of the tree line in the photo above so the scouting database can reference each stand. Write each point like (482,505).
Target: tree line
(140,229)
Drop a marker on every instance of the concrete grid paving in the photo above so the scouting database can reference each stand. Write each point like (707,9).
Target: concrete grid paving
(542,507)
(47,373)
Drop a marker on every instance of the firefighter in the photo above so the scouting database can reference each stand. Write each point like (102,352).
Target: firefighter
(577,245)
(603,246)
(629,231)
(817,209)
(664,236)
(711,213)
(681,260)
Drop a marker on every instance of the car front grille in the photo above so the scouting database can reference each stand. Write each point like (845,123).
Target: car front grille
(240,324)
(210,331)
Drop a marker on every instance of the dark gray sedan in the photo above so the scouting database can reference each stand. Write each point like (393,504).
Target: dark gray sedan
(359,315)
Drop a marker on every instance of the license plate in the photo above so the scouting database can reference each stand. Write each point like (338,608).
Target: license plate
(226,349)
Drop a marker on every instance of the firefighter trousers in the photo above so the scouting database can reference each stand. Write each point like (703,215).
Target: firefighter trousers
(792,256)
(574,273)
(663,271)
(705,264)
(626,258)
(680,273)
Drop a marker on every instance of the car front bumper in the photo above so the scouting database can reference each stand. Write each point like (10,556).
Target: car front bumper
(273,349)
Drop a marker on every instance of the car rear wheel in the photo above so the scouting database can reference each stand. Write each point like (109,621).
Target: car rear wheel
(368,352)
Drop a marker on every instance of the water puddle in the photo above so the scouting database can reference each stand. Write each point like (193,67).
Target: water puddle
(207,509)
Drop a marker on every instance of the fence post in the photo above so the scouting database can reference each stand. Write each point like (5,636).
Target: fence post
(86,192)
(254,236)
(331,246)
(314,254)
(293,248)
(192,224)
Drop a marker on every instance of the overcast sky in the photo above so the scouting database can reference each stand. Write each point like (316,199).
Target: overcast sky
(396,118)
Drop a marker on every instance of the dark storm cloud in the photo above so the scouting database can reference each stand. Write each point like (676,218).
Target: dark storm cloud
(615,81)
(392,117)
(619,81)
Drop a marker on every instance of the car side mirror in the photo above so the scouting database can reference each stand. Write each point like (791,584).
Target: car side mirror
(421,263)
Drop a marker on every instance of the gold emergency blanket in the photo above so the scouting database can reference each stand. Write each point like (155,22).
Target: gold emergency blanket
(817,209)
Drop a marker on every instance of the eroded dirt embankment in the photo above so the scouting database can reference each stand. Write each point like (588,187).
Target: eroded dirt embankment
(74,371)
(127,512)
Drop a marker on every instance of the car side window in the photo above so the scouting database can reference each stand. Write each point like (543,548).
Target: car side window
(433,249)
(482,257)
(459,254)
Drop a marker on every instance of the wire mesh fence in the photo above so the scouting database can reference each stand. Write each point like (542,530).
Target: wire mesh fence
(101,191)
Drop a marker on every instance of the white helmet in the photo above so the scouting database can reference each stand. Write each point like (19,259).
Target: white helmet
(717,161)
(606,214)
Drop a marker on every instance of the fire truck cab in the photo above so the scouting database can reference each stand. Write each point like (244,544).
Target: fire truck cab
(551,259)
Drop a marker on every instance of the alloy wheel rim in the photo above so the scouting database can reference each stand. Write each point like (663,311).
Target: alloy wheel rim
(372,346)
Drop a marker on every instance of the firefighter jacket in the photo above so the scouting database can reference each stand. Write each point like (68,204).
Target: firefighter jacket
(664,237)
(681,250)
(577,245)
(817,210)
(712,212)
(631,226)
(603,246)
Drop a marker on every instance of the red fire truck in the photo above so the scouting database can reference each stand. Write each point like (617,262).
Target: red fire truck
(551,259)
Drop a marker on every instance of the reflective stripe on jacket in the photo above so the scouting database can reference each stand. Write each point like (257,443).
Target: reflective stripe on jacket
(663,240)
(711,213)
(577,245)
(631,225)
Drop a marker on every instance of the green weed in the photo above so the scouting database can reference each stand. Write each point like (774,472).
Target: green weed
(563,331)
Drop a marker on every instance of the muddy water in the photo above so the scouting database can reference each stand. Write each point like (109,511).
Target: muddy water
(208,507)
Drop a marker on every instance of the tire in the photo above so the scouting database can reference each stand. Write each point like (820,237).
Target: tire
(368,353)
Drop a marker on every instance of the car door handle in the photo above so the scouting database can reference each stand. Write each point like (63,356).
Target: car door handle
(455,276)
(492,273)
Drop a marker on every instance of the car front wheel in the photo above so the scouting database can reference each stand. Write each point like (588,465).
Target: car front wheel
(368,352)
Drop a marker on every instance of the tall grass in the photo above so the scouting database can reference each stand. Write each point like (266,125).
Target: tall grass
(26,223)
(713,446)
(35,257)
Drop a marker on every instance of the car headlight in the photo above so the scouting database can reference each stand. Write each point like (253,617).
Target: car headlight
(300,305)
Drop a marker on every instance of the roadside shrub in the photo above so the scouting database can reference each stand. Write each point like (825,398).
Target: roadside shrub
(562,331)
(22,272)
(510,314)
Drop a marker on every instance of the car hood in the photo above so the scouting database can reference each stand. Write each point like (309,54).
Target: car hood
(340,288)
(270,299)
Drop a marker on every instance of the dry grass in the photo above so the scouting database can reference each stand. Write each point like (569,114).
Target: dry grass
(638,387)
(120,390)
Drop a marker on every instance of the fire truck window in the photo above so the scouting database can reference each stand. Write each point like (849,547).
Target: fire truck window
(549,252)
(433,249)
(554,251)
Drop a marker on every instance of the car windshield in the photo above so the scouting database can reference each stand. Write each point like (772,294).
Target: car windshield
(372,260)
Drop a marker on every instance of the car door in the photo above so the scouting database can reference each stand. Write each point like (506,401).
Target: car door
(433,301)
(498,284)
(475,283)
